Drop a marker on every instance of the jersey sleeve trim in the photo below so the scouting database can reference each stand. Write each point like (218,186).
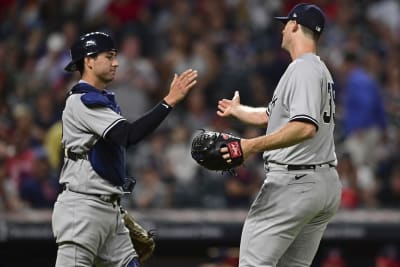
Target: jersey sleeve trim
(305,118)
(111,126)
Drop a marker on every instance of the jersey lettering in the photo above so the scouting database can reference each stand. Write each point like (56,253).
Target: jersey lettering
(330,114)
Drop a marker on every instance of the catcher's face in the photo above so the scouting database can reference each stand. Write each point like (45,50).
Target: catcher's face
(104,66)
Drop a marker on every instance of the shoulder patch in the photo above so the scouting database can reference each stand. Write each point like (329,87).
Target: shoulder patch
(92,99)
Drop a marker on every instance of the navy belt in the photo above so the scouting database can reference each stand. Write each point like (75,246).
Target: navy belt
(74,156)
(291,167)
(114,198)
(306,167)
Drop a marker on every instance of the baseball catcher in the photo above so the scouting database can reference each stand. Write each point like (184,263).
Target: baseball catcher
(142,240)
(206,150)
(95,138)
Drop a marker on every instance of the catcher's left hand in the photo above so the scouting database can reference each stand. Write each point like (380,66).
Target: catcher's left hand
(142,240)
(206,150)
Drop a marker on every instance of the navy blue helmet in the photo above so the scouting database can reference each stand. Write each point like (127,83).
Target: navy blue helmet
(89,44)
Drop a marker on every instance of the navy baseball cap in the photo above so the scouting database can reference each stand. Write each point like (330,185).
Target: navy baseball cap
(89,44)
(308,15)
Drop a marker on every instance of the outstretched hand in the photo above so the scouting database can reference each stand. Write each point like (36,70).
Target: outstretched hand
(228,107)
(180,86)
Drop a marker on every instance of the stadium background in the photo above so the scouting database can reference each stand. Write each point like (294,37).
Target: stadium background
(235,45)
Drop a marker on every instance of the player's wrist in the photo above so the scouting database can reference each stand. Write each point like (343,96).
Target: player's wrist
(237,112)
(244,147)
(168,102)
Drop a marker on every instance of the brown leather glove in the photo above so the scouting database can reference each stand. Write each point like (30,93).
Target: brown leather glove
(142,240)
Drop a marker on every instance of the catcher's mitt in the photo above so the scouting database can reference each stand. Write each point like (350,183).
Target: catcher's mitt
(206,150)
(142,240)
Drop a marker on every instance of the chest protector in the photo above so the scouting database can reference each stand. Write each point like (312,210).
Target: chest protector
(107,158)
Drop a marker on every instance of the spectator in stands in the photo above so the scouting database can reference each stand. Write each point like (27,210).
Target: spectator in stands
(388,256)
(9,197)
(222,257)
(94,12)
(392,89)
(120,13)
(384,14)
(197,115)
(136,80)
(44,115)
(364,118)
(178,156)
(40,189)
(351,197)
(184,51)
(50,67)
(21,156)
(389,195)
(239,48)
(150,191)
(151,154)
(333,258)
(368,184)
(53,146)
(240,189)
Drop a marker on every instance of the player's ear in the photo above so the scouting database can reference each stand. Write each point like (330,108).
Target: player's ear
(296,26)
(88,62)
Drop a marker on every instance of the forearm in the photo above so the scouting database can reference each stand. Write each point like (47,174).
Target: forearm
(289,135)
(256,116)
(126,134)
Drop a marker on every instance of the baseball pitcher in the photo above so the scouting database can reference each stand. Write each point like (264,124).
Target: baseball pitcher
(302,190)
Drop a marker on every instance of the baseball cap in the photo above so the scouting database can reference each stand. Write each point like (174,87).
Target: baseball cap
(89,44)
(308,15)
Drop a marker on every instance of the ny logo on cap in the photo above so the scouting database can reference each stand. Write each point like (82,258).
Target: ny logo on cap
(318,28)
(90,43)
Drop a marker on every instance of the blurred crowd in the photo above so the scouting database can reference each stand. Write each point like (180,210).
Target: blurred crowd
(234,45)
(386,255)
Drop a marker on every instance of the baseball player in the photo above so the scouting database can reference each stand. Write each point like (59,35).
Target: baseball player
(86,219)
(302,190)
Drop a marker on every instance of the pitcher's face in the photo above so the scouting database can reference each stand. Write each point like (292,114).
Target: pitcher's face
(287,34)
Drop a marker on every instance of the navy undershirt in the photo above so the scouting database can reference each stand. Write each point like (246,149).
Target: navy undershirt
(127,133)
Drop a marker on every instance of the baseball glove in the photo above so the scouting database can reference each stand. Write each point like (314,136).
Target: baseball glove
(142,240)
(206,150)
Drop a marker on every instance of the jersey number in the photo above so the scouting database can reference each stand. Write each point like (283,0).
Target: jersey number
(329,115)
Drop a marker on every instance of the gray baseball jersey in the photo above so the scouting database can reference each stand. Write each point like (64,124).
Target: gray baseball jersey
(305,92)
(302,189)
(83,127)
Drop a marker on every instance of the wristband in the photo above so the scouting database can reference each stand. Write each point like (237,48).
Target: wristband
(165,104)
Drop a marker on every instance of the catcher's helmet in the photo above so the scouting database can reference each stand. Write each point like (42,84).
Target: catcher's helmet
(89,44)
